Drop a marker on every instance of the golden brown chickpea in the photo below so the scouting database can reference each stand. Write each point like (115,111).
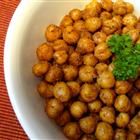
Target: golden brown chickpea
(107,114)
(45,89)
(109,26)
(120,134)
(131,136)
(107,5)
(66,21)
(87,73)
(122,120)
(62,92)
(40,69)
(99,37)
(79,25)
(74,88)
(77,109)
(72,131)
(93,24)
(129,7)
(118,19)
(105,15)
(60,45)
(85,45)
(54,74)
(134,125)
(88,13)
(63,119)
(101,67)
(95,106)
(70,72)
(137,83)
(122,103)
(104,131)
(75,14)
(122,87)
(106,79)
(75,59)
(134,34)
(88,137)
(107,96)
(88,124)
(54,108)
(130,20)
(102,52)
(44,52)
(86,34)
(136,99)
(53,33)
(126,29)
(70,35)
(89,92)
(90,59)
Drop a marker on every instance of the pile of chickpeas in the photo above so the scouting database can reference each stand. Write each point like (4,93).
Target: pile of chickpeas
(75,67)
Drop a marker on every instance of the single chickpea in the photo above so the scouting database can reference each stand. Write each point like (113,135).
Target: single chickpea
(79,25)
(107,5)
(134,34)
(129,7)
(87,73)
(66,21)
(122,103)
(101,67)
(118,19)
(44,52)
(89,92)
(136,99)
(60,57)
(54,108)
(126,29)
(120,134)
(75,14)
(90,59)
(77,109)
(53,33)
(85,45)
(105,16)
(88,13)
(86,34)
(70,72)
(107,96)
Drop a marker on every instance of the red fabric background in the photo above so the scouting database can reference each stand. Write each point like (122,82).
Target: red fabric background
(10,128)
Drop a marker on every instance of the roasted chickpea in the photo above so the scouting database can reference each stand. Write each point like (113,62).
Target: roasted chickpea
(86,34)
(122,103)
(45,89)
(105,15)
(53,33)
(93,24)
(44,52)
(72,131)
(126,29)
(137,83)
(101,67)
(122,87)
(122,120)
(136,99)
(75,59)
(74,88)
(85,45)
(134,125)
(79,25)
(62,92)
(70,72)
(109,26)
(54,108)
(60,57)
(106,79)
(99,37)
(130,20)
(66,21)
(88,137)
(107,96)
(120,134)
(104,131)
(90,59)
(54,74)
(129,7)
(63,118)
(77,109)
(134,34)
(75,14)
(118,19)
(107,5)
(87,73)
(40,69)
(70,35)
(88,124)
(102,52)
(89,92)
(131,136)
(60,45)
(107,114)
(88,13)
(95,106)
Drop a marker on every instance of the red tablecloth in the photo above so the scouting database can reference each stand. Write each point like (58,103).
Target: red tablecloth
(10,128)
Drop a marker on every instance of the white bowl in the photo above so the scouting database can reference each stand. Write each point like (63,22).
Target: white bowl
(25,33)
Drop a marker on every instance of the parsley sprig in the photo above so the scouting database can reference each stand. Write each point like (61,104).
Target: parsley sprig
(127,55)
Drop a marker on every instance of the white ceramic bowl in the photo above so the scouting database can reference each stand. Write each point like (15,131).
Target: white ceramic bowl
(25,33)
